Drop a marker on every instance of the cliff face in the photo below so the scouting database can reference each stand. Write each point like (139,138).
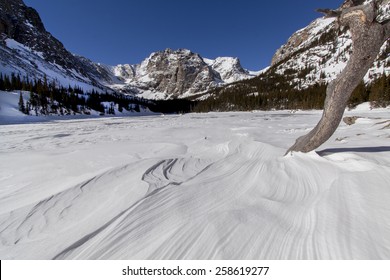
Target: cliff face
(176,73)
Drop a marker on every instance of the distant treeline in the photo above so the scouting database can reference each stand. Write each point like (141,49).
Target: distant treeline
(266,92)
(49,98)
(274,91)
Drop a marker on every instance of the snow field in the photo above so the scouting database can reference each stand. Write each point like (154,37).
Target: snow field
(196,186)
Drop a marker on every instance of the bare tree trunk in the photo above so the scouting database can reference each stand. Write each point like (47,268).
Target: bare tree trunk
(368,37)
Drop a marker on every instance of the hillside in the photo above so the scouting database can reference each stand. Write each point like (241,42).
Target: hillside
(300,71)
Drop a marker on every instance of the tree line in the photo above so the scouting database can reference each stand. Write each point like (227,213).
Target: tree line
(47,98)
(274,91)
(266,92)
(377,93)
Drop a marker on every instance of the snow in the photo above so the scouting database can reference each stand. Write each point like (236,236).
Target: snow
(321,24)
(12,44)
(195,186)
(10,114)
(27,62)
(208,61)
(9,105)
(149,94)
(229,69)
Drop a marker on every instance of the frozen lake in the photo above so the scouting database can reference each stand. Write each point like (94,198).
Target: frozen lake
(196,186)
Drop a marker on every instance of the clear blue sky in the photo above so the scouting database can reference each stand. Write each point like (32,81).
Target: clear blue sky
(127,31)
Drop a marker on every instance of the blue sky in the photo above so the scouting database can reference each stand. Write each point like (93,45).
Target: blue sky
(127,31)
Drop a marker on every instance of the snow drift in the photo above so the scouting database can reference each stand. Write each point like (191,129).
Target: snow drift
(197,186)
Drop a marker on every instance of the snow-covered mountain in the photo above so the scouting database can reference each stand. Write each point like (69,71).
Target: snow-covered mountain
(27,49)
(177,73)
(169,73)
(318,52)
(229,68)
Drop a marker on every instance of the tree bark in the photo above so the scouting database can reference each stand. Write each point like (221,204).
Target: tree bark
(368,36)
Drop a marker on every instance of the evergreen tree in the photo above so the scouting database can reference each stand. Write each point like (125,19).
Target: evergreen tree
(120,107)
(22,108)
(2,87)
(112,109)
(359,95)
(7,83)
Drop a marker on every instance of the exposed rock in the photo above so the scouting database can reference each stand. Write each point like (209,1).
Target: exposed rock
(177,72)
(350,120)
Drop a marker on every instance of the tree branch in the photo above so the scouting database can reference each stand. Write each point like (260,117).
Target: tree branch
(329,13)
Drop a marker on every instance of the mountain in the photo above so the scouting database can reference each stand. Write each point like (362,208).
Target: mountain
(300,71)
(170,73)
(319,52)
(177,73)
(27,49)
(230,69)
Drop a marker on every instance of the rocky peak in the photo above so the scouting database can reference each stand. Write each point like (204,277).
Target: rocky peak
(176,72)
(124,71)
(229,68)
(18,21)
(167,58)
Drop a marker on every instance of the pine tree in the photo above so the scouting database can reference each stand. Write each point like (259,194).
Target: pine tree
(359,95)
(7,83)
(2,87)
(22,108)
(34,102)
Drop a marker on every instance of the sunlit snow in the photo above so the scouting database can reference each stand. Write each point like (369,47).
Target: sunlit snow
(195,186)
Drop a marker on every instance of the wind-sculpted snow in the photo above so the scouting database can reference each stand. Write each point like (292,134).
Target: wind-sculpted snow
(198,186)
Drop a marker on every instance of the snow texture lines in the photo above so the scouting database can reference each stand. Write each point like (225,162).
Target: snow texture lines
(196,186)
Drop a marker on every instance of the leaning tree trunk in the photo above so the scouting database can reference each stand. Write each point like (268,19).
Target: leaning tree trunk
(368,37)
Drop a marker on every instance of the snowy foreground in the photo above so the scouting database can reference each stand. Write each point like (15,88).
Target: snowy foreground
(197,186)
